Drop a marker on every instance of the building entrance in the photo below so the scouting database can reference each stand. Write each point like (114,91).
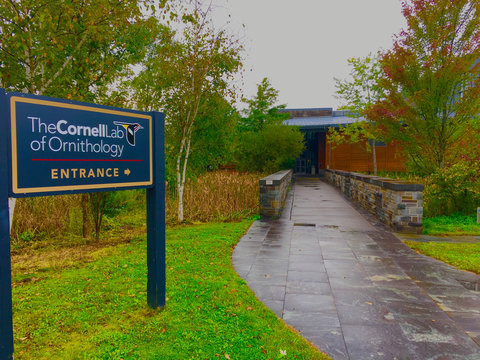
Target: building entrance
(313,157)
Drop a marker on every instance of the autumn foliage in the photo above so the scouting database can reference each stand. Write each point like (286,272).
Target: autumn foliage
(432,82)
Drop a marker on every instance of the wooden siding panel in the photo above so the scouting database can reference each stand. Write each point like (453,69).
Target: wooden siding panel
(355,157)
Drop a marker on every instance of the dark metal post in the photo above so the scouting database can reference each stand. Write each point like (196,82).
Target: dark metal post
(6,327)
(156,219)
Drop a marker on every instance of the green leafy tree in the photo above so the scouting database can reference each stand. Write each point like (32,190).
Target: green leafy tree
(265,144)
(262,109)
(215,134)
(71,49)
(194,68)
(431,80)
(359,93)
(362,89)
(212,142)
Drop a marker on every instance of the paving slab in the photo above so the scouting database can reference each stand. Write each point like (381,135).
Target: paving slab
(352,287)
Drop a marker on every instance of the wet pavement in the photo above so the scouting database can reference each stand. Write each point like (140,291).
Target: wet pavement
(353,288)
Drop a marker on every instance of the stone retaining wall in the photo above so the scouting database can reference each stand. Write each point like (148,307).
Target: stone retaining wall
(396,203)
(273,191)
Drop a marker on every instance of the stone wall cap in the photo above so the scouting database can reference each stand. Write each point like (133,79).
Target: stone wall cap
(276,178)
(403,186)
(391,184)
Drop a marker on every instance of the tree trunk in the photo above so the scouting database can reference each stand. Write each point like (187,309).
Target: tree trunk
(11,209)
(374,155)
(180,202)
(98,203)
(183,177)
(87,227)
(179,184)
(441,163)
(179,179)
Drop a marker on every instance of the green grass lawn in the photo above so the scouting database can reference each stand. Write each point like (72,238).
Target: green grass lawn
(94,306)
(456,224)
(463,256)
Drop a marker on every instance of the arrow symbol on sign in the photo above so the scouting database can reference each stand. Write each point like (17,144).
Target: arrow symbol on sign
(127,172)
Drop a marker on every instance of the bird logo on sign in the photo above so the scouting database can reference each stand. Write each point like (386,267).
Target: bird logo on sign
(130,130)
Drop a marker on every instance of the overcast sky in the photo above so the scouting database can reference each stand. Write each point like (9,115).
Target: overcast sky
(301,45)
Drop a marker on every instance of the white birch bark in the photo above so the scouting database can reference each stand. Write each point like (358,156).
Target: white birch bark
(11,209)
(179,180)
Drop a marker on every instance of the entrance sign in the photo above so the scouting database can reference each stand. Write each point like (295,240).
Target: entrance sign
(53,146)
(60,146)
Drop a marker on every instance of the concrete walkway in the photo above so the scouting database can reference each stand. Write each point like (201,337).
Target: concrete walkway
(353,288)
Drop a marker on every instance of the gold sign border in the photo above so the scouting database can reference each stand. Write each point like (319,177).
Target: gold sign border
(13,127)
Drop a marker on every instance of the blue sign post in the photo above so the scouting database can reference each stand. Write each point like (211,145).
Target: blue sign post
(6,332)
(52,146)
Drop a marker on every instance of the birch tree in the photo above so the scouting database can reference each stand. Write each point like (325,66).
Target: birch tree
(198,64)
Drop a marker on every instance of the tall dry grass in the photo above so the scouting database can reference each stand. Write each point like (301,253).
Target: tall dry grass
(216,196)
(46,215)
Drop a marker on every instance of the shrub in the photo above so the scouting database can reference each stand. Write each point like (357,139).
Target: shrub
(452,190)
(455,189)
(272,148)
